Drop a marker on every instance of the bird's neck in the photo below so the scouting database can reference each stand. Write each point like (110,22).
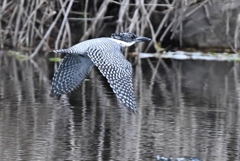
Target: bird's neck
(123,43)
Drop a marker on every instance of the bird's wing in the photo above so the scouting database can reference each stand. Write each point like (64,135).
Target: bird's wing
(118,71)
(70,74)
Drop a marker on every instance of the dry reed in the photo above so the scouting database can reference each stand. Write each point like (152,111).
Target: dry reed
(37,24)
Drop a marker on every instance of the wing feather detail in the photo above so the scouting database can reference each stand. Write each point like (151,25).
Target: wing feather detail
(70,74)
(118,70)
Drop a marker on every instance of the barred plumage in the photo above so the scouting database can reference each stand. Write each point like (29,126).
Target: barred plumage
(118,71)
(106,54)
(70,74)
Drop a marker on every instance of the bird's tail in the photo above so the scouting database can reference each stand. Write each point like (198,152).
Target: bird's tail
(61,51)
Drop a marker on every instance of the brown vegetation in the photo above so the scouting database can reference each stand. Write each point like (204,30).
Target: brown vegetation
(41,23)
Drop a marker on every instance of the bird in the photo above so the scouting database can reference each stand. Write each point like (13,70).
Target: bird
(106,54)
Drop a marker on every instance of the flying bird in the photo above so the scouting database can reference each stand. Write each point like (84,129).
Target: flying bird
(106,54)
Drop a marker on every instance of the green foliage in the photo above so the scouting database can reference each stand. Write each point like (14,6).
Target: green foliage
(18,55)
(55,59)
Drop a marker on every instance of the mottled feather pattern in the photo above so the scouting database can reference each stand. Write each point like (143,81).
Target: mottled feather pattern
(124,91)
(70,74)
(107,56)
(118,71)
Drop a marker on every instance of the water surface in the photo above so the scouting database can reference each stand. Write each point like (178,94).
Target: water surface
(186,108)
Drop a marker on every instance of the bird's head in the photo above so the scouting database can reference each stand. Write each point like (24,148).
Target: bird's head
(127,39)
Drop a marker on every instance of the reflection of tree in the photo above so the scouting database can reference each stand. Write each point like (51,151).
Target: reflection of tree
(184,109)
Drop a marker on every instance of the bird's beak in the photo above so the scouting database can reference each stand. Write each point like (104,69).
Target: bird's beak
(142,39)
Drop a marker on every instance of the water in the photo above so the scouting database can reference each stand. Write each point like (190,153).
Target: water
(186,108)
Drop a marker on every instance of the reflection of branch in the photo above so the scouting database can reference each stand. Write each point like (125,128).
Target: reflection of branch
(162,84)
(41,72)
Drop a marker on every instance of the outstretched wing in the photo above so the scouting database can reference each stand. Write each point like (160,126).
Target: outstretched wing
(118,71)
(70,74)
